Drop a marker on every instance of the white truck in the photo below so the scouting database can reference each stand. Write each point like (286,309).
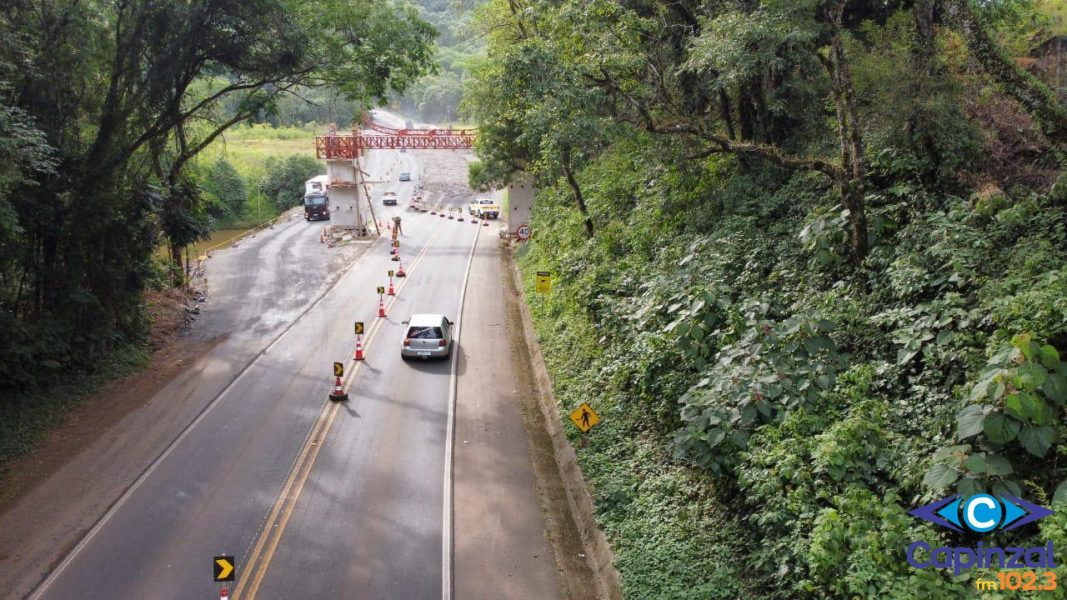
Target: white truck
(484,208)
(389,199)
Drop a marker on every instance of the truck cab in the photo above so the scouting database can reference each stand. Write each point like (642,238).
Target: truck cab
(316,207)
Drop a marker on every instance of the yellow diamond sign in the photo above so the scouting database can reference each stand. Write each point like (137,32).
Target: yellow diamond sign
(585,417)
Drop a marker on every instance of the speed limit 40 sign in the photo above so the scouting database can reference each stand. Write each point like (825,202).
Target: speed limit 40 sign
(523,232)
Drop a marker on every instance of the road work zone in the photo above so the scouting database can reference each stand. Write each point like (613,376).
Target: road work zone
(274,527)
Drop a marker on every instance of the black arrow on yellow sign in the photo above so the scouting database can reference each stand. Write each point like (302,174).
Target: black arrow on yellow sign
(224,569)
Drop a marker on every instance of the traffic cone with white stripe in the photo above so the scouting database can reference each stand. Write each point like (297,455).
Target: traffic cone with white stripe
(381,307)
(485,222)
(400,270)
(338,392)
(224,594)
(359,349)
(392,292)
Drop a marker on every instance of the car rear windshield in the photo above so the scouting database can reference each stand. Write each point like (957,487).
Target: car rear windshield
(424,333)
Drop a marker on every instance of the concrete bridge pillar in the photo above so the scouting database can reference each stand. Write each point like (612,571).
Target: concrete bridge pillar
(520,202)
(348,208)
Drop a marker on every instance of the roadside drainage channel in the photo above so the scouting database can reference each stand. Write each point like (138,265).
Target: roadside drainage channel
(598,552)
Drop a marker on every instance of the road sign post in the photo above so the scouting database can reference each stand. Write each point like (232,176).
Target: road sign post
(585,417)
(392,292)
(338,392)
(543,282)
(359,341)
(224,567)
(381,301)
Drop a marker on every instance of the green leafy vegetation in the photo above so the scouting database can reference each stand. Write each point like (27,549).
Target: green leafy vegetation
(435,97)
(811,270)
(113,118)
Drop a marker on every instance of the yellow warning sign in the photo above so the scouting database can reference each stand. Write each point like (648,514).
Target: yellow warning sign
(338,370)
(543,282)
(585,417)
(359,327)
(223,568)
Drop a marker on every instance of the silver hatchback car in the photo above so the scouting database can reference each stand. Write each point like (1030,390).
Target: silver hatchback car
(428,336)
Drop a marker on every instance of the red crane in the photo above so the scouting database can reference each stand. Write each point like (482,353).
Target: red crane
(375,136)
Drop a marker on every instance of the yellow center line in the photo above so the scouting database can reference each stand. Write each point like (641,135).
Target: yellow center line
(271,534)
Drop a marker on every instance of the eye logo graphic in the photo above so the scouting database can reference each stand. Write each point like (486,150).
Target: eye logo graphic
(981,513)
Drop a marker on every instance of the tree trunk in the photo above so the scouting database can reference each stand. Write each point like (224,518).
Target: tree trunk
(579,199)
(852,182)
(924,52)
(176,264)
(726,113)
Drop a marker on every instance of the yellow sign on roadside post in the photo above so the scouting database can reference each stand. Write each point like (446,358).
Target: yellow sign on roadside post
(338,369)
(543,282)
(585,417)
(359,327)
(224,568)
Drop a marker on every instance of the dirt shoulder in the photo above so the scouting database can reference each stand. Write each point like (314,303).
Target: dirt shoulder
(171,312)
(591,560)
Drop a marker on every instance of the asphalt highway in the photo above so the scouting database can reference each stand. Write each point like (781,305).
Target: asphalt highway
(314,499)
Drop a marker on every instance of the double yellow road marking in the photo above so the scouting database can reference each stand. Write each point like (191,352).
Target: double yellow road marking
(271,534)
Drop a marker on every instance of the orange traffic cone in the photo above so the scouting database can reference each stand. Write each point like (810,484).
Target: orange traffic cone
(224,594)
(392,292)
(400,270)
(338,392)
(485,222)
(381,308)
(359,350)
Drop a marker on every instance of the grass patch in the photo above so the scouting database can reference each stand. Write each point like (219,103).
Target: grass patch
(247,148)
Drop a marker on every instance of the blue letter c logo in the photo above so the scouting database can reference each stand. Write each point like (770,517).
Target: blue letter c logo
(982,513)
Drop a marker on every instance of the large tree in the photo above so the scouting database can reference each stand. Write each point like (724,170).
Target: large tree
(127,92)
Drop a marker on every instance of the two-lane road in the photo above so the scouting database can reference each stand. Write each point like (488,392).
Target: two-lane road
(315,499)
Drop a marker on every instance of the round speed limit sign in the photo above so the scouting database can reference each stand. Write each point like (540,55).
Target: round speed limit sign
(523,232)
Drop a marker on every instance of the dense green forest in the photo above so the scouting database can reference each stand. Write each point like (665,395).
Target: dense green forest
(811,269)
(435,98)
(107,110)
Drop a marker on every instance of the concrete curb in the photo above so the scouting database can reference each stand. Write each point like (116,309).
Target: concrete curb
(598,553)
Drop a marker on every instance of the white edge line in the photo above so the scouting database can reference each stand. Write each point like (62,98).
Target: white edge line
(42,588)
(450,442)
